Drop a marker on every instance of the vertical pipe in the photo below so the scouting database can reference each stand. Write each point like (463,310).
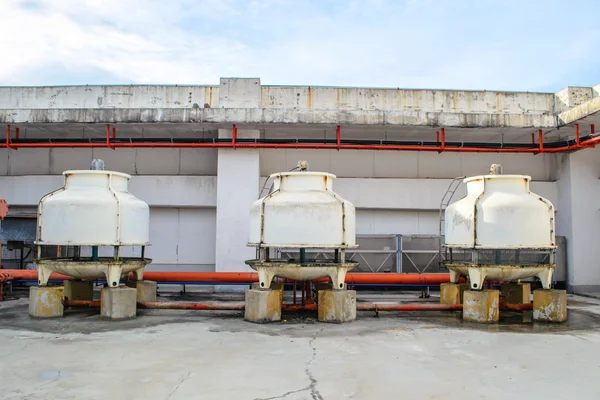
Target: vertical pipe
(294,291)
(143,252)
(541,140)
(17,132)
(399,255)
(443,139)
(94,253)
(114,133)
(577,134)
(8,136)
(336,256)
(532,138)
(338,136)
(233,135)
(302,256)
(437,136)
(593,129)
(309,292)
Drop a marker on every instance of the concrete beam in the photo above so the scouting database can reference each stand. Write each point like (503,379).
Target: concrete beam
(279,116)
(581,111)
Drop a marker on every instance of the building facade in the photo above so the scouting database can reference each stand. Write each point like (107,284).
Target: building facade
(200,195)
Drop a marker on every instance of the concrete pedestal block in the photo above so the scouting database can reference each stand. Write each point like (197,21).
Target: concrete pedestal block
(263,305)
(550,305)
(481,306)
(277,286)
(452,293)
(118,302)
(516,293)
(146,290)
(46,302)
(337,305)
(79,290)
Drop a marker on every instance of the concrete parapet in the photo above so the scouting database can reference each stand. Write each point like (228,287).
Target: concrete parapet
(46,301)
(481,306)
(550,305)
(337,305)
(263,305)
(118,303)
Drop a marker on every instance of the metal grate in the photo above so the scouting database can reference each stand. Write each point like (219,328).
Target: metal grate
(501,257)
(376,253)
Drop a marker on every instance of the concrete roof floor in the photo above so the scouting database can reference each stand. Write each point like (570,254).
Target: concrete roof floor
(174,355)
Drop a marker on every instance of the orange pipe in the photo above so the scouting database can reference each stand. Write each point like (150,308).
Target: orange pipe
(249,277)
(441,148)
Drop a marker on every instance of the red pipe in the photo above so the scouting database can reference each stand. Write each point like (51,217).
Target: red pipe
(338,136)
(314,146)
(443,146)
(175,305)
(516,307)
(233,136)
(249,277)
(408,307)
(577,134)
(233,144)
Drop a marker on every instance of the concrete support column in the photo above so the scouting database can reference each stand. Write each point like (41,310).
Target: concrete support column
(238,181)
(337,306)
(263,305)
(117,303)
(46,301)
(481,306)
(550,305)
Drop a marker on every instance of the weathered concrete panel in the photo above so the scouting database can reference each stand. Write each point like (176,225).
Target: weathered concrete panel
(239,93)
(122,160)
(119,96)
(29,162)
(571,96)
(157,191)
(406,99)
(280,116)
(198,162)
(68,159)
(157,161)
(581,111)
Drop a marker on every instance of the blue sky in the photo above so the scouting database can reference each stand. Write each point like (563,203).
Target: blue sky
(534,45)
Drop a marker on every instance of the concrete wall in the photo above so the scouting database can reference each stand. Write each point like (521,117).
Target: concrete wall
(130,161)
(389,164)
(138,96)
(579,191)
(316,97)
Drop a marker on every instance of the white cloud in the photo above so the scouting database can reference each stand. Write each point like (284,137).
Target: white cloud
(410,43)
